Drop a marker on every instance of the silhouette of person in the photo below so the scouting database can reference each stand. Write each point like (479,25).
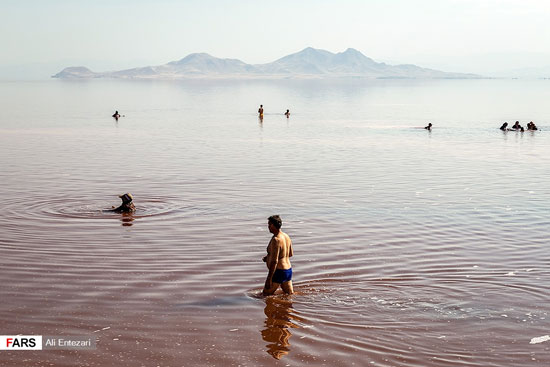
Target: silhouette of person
(261,111)
(127,205)
(531,126)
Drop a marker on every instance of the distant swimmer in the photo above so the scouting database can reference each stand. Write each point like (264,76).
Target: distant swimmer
(429,127)
(516,126)
(127,205)
(261,111)
(531,126)
(277,259)
(504,126)
(287,113)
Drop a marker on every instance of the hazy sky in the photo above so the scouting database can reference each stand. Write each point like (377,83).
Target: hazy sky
(40,37)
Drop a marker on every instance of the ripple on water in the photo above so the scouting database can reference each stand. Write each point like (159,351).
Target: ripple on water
(67,208)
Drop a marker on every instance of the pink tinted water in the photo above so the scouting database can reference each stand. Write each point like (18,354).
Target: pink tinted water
(411,248)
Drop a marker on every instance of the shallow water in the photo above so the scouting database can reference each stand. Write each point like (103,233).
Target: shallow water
(412,248)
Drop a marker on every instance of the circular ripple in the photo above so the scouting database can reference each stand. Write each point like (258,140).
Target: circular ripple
(64,208)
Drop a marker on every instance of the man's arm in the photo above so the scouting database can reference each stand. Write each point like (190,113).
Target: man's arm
(290,250)
(272,260)
(116,210)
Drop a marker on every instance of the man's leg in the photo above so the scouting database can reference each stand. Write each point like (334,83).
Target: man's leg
(270,291)
(287,287)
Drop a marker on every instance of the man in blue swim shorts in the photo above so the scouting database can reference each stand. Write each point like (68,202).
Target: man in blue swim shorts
(277,259)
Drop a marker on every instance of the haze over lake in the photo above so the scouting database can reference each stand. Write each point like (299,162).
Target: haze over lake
(411,247)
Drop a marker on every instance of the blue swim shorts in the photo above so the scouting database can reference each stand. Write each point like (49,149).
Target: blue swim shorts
(281,276)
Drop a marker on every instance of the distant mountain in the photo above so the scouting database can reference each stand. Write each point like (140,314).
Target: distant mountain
(193,65)
(205,64)
(308,63)
(312,61)
(74,72)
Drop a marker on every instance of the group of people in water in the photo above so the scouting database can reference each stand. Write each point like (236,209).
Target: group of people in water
(517,127)
(261,112)
(279,249)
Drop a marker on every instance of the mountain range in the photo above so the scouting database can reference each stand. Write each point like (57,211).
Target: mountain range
(308,63)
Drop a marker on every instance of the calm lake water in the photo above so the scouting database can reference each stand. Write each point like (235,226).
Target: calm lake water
(411,248)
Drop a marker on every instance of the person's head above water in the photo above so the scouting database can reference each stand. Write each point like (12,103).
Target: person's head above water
(275,221)
(126,198)
(127,205)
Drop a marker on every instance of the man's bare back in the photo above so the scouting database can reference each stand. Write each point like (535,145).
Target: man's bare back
(277,259)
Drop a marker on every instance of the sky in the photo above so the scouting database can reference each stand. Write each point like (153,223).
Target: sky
(41,37)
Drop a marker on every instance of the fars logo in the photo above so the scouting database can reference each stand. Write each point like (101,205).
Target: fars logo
(20,342)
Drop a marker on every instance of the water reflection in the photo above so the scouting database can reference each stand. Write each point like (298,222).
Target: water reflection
(127,219)
(279,320)
(504,135)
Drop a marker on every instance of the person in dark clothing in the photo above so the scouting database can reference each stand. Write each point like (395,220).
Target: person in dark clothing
(127,205)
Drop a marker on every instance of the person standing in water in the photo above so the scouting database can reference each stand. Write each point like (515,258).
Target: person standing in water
(116,115)
(287,113)
(261,111)
(277,259)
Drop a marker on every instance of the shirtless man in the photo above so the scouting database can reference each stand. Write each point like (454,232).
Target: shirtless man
(261,111)
(277,259)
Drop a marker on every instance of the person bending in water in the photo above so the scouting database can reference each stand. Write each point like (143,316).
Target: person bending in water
(287,113)
(531,126)
(277,259)
(127,205)
(429,127)
(504,126)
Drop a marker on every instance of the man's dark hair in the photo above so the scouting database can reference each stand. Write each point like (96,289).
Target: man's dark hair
(276,221)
